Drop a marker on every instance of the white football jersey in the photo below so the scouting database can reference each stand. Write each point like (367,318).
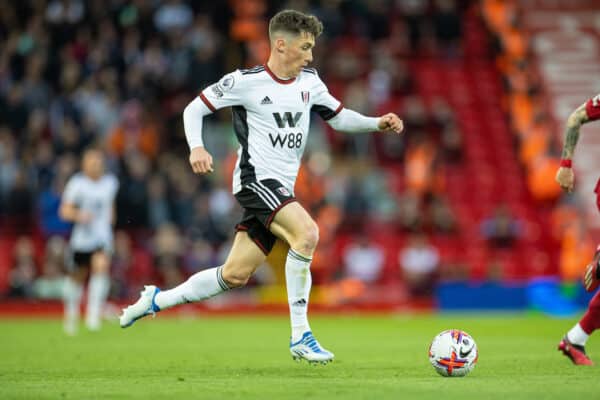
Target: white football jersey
(271,119)
(97,198)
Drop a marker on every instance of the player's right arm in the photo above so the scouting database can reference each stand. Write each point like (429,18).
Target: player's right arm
(193,115)
(589,111)
(224,93)
(71,213)
(68,210)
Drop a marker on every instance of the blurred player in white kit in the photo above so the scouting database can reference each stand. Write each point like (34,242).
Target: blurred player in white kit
(88,202)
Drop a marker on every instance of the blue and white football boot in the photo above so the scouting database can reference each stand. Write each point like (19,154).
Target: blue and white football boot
(144,306)
(309,349)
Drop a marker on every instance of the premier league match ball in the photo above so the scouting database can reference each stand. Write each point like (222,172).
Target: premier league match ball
(453,353)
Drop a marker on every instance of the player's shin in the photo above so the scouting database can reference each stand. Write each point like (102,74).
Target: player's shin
(200,286)
(72,292)
(97,293)
(298,282)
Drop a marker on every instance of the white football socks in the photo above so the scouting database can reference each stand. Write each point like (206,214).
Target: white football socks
(577,335)
(97,293)
(200,286)
(72,292)
(298,281)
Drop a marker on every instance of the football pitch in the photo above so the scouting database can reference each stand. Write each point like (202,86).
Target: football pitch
(377,357)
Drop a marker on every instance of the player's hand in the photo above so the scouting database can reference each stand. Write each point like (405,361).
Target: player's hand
(390,122)
(201,161)
(565,178)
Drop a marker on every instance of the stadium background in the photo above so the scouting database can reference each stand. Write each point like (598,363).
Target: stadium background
(462,211)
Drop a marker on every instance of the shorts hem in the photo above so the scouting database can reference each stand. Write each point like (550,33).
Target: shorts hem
(243,228)
(275,211)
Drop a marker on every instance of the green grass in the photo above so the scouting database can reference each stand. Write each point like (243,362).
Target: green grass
(247,358)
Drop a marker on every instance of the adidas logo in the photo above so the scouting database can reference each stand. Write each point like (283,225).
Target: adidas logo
(266,100)
(299,303)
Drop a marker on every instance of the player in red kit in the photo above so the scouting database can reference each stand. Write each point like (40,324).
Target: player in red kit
(573,343)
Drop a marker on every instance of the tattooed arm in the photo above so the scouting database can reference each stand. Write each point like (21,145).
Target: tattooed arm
(565,176)
(576,119)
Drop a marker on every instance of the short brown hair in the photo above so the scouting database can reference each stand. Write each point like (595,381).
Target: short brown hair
(295,22)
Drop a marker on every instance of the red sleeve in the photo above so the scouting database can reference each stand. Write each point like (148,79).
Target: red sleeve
(592,108)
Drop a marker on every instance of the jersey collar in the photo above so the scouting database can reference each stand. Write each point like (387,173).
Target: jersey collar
(276,79)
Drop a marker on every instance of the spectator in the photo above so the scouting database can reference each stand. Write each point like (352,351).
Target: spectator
(421,166)
(363,260)
(159,207)
(410,218)
(204,223)
(36,90)
(200,256)
(122,263)
(43,165)
(9,165)
(13,109)
(24,269)
(19,202)
(132,199)
(447,26)
(414,12)
(173,15)
(440,216)
(501,229)
(48,204)
(65,12)
(452,144)
(49,285)
(134,133)
(419,263)
(168,250)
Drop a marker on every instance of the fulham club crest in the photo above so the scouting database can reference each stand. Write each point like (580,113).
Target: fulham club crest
(283,191)
(305,97)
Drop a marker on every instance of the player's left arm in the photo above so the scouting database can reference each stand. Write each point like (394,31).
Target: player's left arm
(353,122)
(586,112)
(345,120)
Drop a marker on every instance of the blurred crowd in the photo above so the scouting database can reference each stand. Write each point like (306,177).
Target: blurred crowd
(118,73)
(538,148)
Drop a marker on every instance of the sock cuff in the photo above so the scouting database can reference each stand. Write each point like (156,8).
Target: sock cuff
(99,279)
(220,279)
(298,256)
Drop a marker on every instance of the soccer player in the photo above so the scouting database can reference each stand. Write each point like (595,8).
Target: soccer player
(573,343)
(271,106)
(88,202)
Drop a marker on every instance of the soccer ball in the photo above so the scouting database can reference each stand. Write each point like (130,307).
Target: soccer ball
(453,353)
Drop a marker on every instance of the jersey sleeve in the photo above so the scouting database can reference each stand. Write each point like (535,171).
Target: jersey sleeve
(71,193)
(324,103)
(592,108)
(226,92)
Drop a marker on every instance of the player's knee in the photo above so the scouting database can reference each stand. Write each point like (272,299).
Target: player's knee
(100,263)
(235,275)
(308,239)
(312,236)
